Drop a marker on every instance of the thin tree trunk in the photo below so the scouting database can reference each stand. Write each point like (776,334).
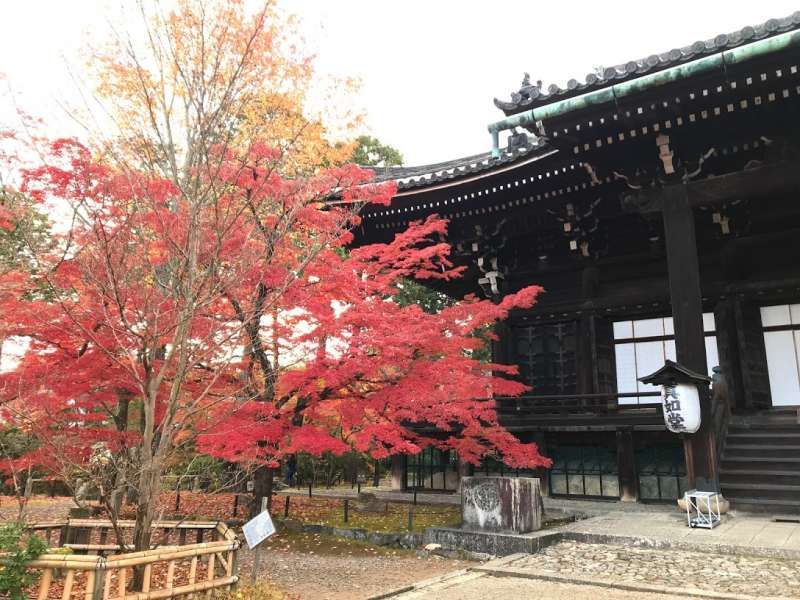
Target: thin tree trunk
(149,488)
(262,488)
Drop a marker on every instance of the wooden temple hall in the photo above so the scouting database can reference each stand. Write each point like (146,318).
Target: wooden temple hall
(658,204)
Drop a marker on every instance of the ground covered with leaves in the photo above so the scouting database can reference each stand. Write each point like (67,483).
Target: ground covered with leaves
(295,564)
(382,517)
(385,517)
(311,566)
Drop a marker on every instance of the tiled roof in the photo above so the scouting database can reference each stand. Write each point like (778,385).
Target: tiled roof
(530,95)
(426,175)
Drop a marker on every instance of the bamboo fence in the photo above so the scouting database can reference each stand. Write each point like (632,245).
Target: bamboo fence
(98,572)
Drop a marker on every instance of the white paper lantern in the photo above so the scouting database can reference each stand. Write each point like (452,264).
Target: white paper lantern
(681,407)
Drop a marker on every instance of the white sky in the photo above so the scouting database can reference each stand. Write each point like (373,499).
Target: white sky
(429,68)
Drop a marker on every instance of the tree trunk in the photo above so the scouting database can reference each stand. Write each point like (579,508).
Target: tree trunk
(262,488)
(149,488)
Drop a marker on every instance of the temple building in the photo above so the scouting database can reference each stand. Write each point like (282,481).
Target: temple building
(658,204)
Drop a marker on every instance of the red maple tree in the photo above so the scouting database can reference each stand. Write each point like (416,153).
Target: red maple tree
(230,316)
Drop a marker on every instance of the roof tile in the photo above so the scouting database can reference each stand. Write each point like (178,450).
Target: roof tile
(530,96)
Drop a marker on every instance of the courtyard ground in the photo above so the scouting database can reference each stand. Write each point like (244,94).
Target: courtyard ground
(572,570)
(301,565)
(634,548)
(314,567)
(478,586)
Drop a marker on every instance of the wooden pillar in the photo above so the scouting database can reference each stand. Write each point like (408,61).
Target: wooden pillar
(585,356)
(729,357)
(687,314)
(398,472)
(626,466)
(542,473)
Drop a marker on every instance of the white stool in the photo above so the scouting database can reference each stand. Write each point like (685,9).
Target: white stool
(702,509)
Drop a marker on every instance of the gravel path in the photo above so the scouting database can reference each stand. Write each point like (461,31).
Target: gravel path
(670,568)
(314,567)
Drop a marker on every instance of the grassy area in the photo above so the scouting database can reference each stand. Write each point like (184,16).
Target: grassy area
(328,511)
(287,540)
(318,509)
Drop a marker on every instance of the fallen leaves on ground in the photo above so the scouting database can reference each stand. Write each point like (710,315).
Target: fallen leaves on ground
(391,516)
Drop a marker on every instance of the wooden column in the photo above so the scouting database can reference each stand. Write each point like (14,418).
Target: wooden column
(542,473)
(626,466)
(398,472)
(687,314)
(585,356)
(729,358)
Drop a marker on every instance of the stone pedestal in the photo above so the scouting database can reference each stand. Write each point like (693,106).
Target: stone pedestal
(501,504)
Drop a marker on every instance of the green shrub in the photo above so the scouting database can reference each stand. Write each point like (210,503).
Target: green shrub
(14,575)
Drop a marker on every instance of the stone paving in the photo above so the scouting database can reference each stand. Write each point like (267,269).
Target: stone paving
(479,586)
(741,532)
(669,568)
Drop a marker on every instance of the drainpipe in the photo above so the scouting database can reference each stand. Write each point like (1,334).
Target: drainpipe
(719,61)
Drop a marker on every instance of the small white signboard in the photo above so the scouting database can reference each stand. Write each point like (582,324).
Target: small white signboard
(257,529)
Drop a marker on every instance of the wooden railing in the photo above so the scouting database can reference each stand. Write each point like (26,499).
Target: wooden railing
(168,570)
(578,409)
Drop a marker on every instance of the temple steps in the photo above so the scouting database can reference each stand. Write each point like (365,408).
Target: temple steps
(788,436)
(735,478)
(758,464)
(766,505)
(762,450)
(771,491)
(760,468)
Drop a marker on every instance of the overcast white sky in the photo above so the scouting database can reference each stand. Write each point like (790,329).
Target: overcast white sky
(429,68)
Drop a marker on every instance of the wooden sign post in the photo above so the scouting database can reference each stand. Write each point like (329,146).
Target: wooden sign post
(256,531)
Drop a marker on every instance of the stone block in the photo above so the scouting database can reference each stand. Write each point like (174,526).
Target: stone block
(502,504)
(366,502)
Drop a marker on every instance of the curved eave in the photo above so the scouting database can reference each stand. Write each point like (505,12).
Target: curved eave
(470,169)
(495,169)
(531,96)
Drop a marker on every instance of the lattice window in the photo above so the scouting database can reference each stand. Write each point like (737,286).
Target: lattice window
(641,346)
(586,471)
(546,357)
(661,472)
(782,342)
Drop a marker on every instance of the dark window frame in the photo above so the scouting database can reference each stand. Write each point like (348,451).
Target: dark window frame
(677,471)
(583,472)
